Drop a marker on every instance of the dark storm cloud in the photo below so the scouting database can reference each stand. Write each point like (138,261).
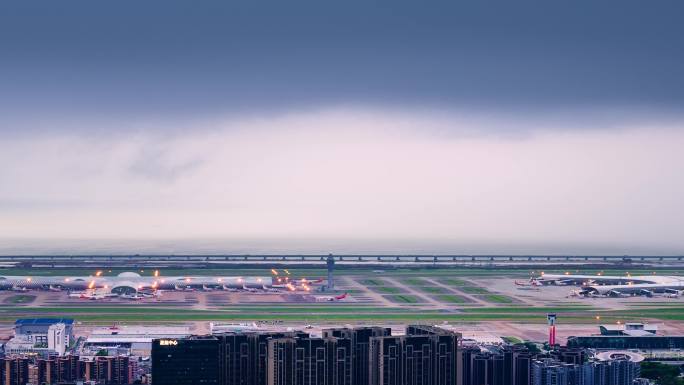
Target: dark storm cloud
(181,58)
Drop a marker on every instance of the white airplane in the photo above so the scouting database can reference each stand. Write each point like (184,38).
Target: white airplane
(301,284)
(87,295)
(531,282)
(616,293)
(184,288)
(535,288)
(155,293)
(134,297)
(230,289)
(332,298)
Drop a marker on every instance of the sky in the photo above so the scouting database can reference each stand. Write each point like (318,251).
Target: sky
(346,127)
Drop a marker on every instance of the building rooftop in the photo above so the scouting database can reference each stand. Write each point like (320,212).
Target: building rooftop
(43,321)
(632,328)
(140,330)
(638,332)
(136,334)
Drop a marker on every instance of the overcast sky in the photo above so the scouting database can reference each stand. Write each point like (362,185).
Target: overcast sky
(355,126)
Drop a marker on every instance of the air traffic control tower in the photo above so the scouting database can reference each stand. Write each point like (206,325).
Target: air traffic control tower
(331,268)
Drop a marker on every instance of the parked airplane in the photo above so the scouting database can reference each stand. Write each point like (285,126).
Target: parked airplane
(331,298)
(91,295)
(531,282)
(131,283)
(618,286)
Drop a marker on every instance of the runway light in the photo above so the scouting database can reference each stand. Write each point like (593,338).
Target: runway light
(219,280)
(106,286)
(28,279)
(258,279)
(66,279)
(598,317)
(287,272)
(156,273)
(567,273)
(99,273)
(187,279)
(274,271)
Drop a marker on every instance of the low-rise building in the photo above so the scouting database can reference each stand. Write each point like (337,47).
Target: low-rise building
(134,340)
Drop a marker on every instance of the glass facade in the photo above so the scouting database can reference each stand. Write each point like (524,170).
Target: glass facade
(628,342)
(190,361)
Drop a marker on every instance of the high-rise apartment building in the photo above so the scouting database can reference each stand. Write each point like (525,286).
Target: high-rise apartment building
(309,361)
(16,370)
(426,355)
(360,341)
(243,356)
(361,356)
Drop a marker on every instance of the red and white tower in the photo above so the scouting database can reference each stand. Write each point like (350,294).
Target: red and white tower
(552,328)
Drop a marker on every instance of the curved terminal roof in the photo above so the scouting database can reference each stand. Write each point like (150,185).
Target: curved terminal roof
(128,274)
(125,284)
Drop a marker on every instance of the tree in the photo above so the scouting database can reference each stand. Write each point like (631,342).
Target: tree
(663,374)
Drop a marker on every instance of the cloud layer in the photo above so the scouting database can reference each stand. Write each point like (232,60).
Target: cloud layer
(390,126)
(164,58)
(356,175)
